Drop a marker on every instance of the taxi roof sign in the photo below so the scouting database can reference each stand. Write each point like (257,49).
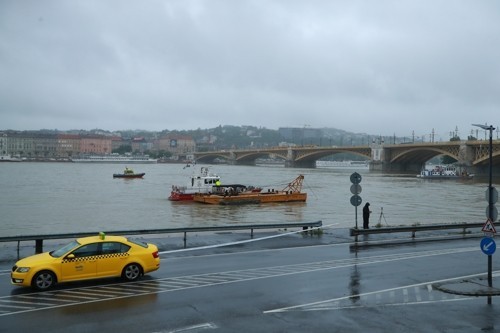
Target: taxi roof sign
(489,227)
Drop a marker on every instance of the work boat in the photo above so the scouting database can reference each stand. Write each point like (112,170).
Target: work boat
(238,194)
(198,183)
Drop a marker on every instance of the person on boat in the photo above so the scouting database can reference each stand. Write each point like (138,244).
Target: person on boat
(217,183)
(128,171)
(366,215)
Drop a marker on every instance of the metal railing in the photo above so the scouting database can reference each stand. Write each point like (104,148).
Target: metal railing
(40,238)
(413,229)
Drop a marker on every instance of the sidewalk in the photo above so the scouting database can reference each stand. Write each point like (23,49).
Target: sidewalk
(471,287)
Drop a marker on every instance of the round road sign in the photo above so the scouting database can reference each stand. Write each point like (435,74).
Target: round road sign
(494,213)
(355,189)
(356,200)
(355,178)
(488,245)
(494,195)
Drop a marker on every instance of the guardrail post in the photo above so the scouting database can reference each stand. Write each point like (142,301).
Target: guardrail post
(38,245)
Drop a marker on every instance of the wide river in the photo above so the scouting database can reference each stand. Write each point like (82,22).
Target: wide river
(45,198)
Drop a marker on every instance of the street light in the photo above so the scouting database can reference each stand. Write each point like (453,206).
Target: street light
(490,195)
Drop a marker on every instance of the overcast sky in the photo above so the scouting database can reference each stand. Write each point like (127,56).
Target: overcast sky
(376,67)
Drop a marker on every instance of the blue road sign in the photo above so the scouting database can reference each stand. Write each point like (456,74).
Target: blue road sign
(488,246)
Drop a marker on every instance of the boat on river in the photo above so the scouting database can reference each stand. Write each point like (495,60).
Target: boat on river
(201,182)
(115,158)
(128,173)
(238,194)
(444,172)
(9,158)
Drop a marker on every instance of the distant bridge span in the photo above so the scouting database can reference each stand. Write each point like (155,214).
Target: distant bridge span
(399,157)
(293,156)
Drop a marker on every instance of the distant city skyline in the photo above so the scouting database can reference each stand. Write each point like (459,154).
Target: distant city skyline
(432,136)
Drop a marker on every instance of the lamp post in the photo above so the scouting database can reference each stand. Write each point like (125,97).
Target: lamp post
(490,195)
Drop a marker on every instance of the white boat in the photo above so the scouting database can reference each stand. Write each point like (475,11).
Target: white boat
(444,172)
(9,158)
(114,158)
(343,164)
(198,183)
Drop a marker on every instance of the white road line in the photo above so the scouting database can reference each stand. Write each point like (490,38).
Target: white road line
(304,307)
(247,241)
(405,295)
(417,294)
(205,326)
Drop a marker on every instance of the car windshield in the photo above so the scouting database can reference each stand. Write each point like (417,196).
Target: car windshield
(65,249)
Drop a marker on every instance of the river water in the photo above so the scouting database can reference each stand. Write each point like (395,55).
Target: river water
(45,198)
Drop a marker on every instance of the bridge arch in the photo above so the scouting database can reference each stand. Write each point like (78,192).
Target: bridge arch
(250,157)
(210,158)
(419,155)
(314,156)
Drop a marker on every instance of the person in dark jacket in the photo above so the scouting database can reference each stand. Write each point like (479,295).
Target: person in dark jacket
(366,215)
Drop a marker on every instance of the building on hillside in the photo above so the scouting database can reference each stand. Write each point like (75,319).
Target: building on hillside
(117,142)
(177,144)
(95,145)
(68,145)
(3,143)
(300,135)
(141,145)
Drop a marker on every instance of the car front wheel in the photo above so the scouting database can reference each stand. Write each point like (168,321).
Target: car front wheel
(132,272)
(43,280)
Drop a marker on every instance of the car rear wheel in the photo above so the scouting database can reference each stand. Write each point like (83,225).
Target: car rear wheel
(132,272)
(43,280)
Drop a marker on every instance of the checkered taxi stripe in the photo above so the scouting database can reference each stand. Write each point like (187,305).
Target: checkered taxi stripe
(102,256)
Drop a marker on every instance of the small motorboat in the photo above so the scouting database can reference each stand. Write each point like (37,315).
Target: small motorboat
(128,173)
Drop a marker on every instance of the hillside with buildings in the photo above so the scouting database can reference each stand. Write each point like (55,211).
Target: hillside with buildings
(167,145)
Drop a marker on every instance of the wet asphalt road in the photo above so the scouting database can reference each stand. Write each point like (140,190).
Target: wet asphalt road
(292,284)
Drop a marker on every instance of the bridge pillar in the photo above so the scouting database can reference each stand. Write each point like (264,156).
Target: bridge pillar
(381,161)
(290,161)
(465,154)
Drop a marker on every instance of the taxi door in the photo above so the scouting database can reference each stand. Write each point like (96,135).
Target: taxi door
(81,264)
(113,257)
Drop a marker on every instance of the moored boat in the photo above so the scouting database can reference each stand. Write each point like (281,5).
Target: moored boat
(238,194)
(128,173)
(444,172)
(115,158)
(9,158)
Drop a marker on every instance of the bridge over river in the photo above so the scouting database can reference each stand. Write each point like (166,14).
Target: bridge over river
(473,155)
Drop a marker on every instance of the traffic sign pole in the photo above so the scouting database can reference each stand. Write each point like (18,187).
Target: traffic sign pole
(492,196)
(356,199)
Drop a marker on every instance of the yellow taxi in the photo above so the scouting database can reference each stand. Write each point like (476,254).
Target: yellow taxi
(87,258)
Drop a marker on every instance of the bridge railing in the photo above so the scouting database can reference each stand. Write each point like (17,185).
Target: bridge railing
(40,238)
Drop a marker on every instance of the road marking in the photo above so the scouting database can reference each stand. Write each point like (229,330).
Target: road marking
(205,326)
(391,294)
(247,240)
